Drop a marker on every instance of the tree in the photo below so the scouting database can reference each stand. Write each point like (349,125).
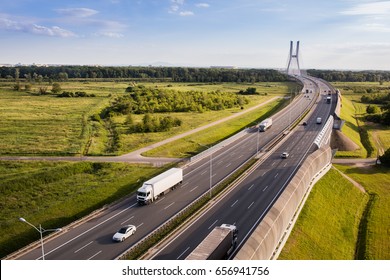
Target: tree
(372,109)
(56,88)
(385,158)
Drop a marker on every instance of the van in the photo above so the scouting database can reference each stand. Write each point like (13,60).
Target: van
(319,120)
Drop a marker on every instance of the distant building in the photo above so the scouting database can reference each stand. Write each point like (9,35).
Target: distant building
(225,67)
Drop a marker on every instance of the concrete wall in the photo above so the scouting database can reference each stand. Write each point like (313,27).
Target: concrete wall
(266,237)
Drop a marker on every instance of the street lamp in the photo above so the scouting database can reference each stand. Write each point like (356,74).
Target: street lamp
(41,231)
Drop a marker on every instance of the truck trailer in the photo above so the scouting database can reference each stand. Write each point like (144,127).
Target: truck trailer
(264,125)
(218,245)
(159,185)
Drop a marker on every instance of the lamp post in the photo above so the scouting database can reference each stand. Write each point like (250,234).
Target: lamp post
(41,231)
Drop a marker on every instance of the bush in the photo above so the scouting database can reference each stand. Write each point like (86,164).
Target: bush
(385,158)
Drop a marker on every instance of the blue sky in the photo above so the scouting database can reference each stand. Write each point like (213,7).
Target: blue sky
(342,34)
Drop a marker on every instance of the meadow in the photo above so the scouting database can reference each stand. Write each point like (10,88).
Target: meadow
(34,124)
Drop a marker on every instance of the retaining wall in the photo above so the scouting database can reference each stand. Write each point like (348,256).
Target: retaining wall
(266,237)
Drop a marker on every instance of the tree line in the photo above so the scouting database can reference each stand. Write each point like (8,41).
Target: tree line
(350,76)
(177,74)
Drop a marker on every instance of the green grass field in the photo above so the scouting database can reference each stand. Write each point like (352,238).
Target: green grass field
(327,228)
(48,125)
(353,112)
(55,194)
(376,181)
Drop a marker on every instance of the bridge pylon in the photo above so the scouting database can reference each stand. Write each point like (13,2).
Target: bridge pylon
(293,60)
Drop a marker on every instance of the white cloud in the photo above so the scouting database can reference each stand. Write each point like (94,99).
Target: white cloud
(375,8)
(32,28)
(186,13)
(77,12)
(202,5)
(109,34)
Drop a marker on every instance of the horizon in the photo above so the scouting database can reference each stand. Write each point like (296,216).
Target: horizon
(336,34)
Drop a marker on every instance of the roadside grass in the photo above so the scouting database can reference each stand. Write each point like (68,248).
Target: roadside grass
(351,129)
(195,143)
(376,181)
(328,225)
(55,194)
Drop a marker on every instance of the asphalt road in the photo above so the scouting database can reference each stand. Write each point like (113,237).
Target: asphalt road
(249,201)
(92,239)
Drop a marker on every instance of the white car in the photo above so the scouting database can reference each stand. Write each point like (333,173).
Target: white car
(124,233)
(284,155)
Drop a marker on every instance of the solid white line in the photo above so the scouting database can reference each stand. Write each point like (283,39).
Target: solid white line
(127,220)
(194,188)
(234,203)
(251,187)
(251,205)
(265,188)
(169,205)
(83,247)
(183,253)
(95,255)
(213,224)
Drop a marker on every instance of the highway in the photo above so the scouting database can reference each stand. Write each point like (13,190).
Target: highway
(246,204)
(93,238)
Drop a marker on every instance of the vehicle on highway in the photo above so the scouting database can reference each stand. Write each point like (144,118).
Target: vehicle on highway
(218,245)
(328,99)
(304,123)
(264,125)
(159,185)
(124,232)
(319,120)
(284,155)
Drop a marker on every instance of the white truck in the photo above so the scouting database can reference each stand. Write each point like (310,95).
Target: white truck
(218,245)
(159,185)
(264,125)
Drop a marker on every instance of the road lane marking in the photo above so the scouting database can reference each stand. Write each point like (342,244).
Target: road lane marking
(183,253)
(194,189)
(92,228)
(219,162)
(234,203)
(285,164)
(127,220)
(83,247)
(95,255)
(204,172)
(273,163)
(265,188)
(213,224)
(169,205)
(140,225)
(251,205)
(241,156)
(276,175)
(183,185)
(158,201)
(228,165)
(251,187)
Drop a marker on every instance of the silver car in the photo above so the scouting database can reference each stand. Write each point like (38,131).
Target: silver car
(124,233)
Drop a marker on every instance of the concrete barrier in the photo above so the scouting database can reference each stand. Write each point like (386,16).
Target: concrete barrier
(264,240)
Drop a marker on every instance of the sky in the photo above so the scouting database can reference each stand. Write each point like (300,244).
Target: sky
(333,34)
